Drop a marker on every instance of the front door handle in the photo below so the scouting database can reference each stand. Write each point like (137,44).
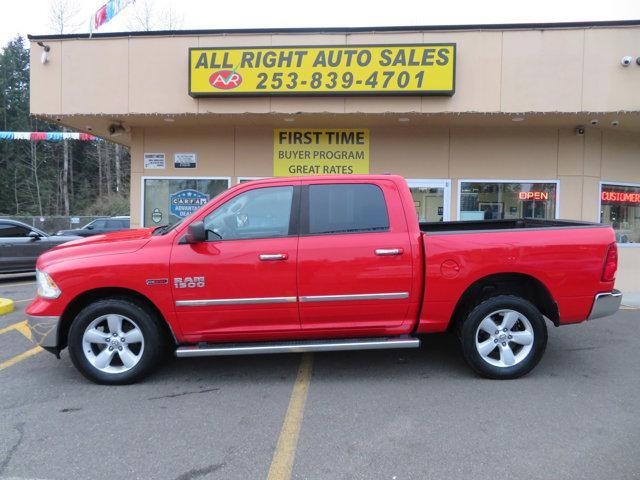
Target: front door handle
(266,257)
(388,251)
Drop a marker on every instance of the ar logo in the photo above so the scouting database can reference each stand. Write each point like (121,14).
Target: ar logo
(188,282)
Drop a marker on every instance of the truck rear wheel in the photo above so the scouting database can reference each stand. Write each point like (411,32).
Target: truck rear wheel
(114,342)
(504,337)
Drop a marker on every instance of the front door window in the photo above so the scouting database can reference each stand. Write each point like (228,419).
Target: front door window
(259,213)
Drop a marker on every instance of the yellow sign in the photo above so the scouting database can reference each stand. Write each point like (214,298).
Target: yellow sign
(424,69)
(302,151)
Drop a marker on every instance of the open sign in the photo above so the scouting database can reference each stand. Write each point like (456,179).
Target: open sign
(225,79)
(533,195)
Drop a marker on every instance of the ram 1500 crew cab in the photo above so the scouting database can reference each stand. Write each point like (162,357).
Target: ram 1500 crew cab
(316,264)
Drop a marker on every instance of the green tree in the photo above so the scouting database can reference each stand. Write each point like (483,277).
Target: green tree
(40,178)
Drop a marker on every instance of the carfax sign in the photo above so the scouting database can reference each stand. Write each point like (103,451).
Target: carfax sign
(423,69)
(185,202)
(303,151)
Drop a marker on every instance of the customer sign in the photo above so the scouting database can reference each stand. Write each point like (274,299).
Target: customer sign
(422,69)
(301,151)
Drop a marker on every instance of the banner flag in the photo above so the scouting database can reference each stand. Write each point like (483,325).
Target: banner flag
(107,11)
(50,136)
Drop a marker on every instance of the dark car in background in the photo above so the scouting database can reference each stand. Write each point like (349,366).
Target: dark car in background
(22,244)
(99,225)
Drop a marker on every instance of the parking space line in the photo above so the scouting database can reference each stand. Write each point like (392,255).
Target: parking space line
(284,455)
(22,327)
(20,357)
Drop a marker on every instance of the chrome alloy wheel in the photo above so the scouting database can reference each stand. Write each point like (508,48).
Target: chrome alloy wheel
(113,343)
(504,338)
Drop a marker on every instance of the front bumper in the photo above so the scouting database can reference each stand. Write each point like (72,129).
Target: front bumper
(44,330)
(605,304)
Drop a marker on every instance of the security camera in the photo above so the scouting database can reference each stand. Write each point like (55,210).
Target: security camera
(615,123)
(115,129)
(638,60)
(595,122)
(626,61)
(580,130)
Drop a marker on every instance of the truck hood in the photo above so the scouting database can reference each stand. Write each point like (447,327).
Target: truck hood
(124,241)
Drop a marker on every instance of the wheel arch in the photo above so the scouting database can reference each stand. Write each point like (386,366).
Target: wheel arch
(85,298)
(508,283)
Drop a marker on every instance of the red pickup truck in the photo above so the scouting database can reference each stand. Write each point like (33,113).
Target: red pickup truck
(317,264)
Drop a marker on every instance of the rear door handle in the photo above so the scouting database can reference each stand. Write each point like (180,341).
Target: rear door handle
(388,251)
(266,257)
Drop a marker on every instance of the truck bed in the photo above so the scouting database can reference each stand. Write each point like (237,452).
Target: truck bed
(556,254)
(506,224)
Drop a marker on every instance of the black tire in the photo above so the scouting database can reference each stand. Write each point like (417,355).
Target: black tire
(470,330)
(145,320)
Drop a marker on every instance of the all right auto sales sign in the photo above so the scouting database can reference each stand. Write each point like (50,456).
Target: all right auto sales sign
(414,69)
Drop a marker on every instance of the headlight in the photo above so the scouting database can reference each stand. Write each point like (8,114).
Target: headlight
(47,288)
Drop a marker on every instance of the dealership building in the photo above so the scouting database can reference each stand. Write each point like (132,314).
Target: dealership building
(484,121)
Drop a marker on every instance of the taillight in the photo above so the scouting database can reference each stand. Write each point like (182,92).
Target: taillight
(610,264)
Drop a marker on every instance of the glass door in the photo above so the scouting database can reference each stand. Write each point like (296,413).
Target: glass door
(431,199)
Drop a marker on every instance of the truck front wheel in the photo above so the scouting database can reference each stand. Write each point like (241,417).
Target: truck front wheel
(114,341)
(504,337)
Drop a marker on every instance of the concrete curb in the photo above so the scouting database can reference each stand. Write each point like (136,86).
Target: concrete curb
(631,299)
(6,306)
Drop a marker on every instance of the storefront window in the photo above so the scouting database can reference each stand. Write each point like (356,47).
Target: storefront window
(497,200)
(249,179)
(620,208)
(429,203)
(169,200)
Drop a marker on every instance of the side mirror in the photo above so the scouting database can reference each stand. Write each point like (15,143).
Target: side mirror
(34,235)
(89,227)
(196,233)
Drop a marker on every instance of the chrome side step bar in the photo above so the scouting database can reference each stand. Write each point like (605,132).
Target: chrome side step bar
(297,346)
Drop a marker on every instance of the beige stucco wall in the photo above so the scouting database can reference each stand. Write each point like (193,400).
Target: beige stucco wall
(628,276)
(553,70)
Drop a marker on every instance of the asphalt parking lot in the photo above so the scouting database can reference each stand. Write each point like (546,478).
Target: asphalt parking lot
(343,415)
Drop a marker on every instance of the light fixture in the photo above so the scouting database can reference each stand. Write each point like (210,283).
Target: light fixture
(517,119)
(289,119)
(116,130)
(404,119)
(45,52)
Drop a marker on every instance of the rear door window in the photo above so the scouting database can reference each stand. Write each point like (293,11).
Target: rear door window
(346,208)
(114,224)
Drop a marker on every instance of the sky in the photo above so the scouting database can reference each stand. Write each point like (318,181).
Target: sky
(22,17)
